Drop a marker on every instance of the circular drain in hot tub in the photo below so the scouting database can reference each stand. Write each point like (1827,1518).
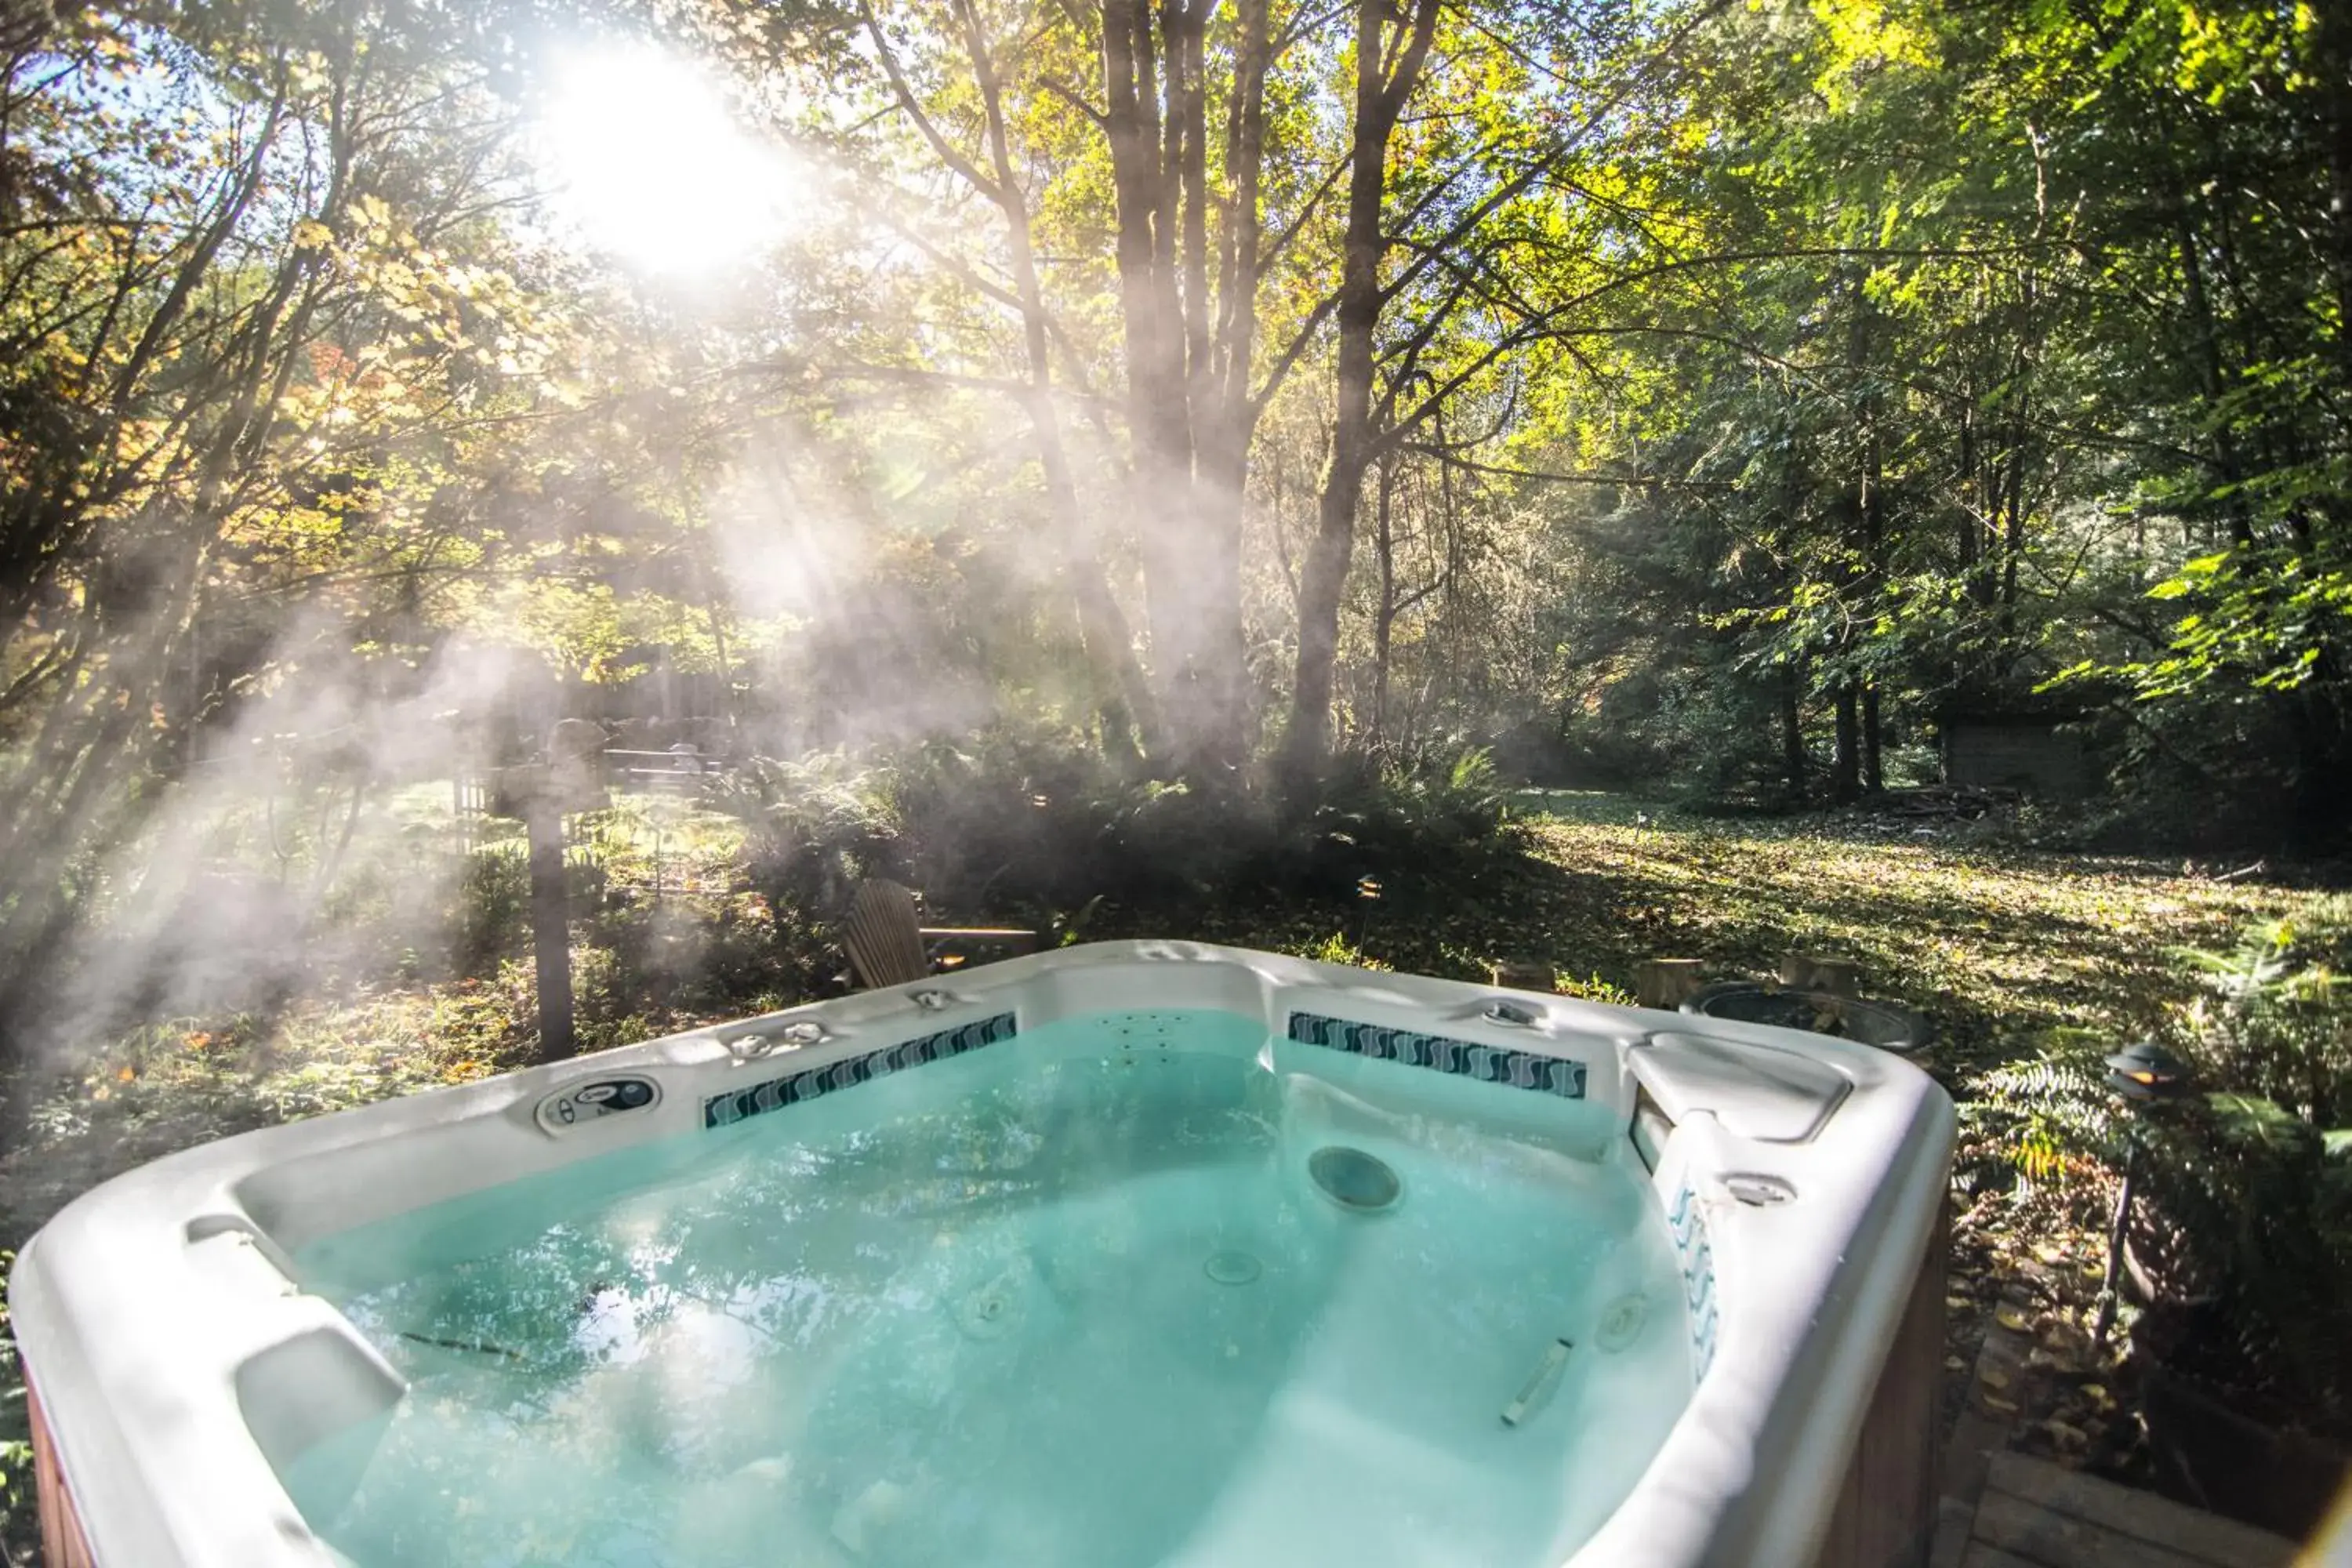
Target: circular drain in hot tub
(1232,1267)
(1353,1179)
(1622,1319)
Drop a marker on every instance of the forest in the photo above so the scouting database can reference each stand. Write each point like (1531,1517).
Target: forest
(1719,395)
(1211,467)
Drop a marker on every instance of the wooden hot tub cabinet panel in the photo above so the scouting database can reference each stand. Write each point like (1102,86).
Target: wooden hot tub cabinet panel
(63,1545)
(1885,1514)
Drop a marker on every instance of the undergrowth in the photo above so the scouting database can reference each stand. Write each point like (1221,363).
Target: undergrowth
(1035,827)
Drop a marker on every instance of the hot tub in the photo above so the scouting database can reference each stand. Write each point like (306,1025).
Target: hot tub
(1129,1254)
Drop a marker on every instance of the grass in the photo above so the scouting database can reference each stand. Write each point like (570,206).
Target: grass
(2004,947)
(1998,943)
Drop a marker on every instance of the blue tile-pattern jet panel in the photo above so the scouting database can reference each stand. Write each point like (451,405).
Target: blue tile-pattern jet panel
(721,1109)
(1488,1064)
(1688,1221)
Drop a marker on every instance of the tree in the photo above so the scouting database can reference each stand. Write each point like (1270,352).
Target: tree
(236,286)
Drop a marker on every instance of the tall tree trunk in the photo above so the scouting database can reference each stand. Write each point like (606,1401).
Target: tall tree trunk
(2012,537)
(1384,617)
(2206,328)
(1860,537)
(1226,427)
(1124,699)
(1874,769)
(1388,66)
(1874,567)
(1968,535)
(1143,69)
(1845,764)
(2332,51)
(2323,756)
(1188,352)
(1792,730)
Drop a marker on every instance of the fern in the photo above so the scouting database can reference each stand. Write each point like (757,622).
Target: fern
(2249,1189)
(2045,1118)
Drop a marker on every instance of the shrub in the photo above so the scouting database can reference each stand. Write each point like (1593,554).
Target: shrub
(2273,1021)
(2252,1246)
(2245,1226)
(17,1534)
(2250,1185)
(814,829)
(492,897)
(1014,824)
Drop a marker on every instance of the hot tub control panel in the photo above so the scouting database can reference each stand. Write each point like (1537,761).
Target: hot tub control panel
(577,1104)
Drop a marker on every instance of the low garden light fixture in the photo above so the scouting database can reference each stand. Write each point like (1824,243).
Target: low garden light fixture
(1367,893)
(2142,1074)
(2145,1071)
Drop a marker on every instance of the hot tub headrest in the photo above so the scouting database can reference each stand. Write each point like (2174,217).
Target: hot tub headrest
(1754,1091)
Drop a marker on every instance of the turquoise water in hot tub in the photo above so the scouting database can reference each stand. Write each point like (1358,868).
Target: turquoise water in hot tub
(1071,1301)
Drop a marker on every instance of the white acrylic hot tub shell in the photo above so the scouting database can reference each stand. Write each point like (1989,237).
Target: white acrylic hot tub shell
(168,1350)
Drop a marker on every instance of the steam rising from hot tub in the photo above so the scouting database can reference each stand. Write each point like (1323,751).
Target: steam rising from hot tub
(233,807)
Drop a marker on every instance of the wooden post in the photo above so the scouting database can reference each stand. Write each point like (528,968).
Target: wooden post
(1523,973)
(1666,982)
(551,928)
(569,779)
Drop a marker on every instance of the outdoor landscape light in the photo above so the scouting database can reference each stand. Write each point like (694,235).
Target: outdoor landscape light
(2146,1071)
(2142,1073)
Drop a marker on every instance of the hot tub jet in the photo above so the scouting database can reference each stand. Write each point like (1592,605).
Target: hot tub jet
(1231,1268)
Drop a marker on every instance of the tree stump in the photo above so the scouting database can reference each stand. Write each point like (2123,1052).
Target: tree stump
(1523,973)
(1666,982)
(1809,971)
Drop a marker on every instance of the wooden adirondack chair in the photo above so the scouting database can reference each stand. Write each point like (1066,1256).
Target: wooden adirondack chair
(889,944)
